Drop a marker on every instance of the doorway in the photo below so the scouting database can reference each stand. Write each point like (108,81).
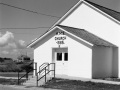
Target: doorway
(61,60)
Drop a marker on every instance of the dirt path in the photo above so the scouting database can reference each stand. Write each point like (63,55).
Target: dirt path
(14,87)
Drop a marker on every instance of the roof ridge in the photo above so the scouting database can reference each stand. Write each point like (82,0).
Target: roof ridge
(70,27)
(101,6)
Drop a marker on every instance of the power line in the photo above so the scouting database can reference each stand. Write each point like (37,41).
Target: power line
(27,33)
(23,28)
(28,10)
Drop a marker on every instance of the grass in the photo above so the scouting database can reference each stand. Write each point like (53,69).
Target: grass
(5,81)
(64,84)
(10,81)
(13,74)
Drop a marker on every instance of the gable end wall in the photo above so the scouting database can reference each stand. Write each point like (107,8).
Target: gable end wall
(79,64)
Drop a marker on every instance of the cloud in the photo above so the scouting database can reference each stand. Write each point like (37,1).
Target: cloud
(6,38)
(21,44)
(14,51)
(9,45)
(5,52)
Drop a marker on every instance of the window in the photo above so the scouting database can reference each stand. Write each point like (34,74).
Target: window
(66,56)
(59,56)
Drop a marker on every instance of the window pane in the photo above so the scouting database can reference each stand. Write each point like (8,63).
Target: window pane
(66,56)
(59,56)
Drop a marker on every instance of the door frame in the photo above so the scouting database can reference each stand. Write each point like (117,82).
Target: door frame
(53,53)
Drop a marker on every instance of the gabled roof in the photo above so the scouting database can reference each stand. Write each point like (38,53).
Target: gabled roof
(82,34)
(87,36)
(108,11)
(113,15)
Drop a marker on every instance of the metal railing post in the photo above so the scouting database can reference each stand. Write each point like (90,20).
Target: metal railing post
(48,67)
(26,75)
(37,80)
(45,74)
(18,77)
(54,70)
(39,70)
(35,69)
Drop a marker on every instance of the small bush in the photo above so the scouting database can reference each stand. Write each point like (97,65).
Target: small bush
(15,67)
(10,67)
(26,67)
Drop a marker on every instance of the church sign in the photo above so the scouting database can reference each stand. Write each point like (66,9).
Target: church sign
(60,37)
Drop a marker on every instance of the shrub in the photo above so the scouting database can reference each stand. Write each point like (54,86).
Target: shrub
(15,67)
(10,67)
(26,67)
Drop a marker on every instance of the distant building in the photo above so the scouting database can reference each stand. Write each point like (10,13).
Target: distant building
(23,58)
(7,60)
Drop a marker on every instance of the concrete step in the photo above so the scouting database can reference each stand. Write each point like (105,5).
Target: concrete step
(32,81)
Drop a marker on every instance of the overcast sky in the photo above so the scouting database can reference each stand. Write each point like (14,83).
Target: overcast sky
(10,17)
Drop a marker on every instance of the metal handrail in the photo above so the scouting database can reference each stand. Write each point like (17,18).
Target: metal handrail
(46,74)
(19,78)
(26,74)
(44,69)
(42,66)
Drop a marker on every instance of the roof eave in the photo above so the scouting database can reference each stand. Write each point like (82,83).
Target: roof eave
(59,21)
(34,42)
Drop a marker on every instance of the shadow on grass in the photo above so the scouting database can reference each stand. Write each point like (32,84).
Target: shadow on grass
(64,84)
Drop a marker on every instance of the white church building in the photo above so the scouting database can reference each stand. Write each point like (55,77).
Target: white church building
(85,42)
